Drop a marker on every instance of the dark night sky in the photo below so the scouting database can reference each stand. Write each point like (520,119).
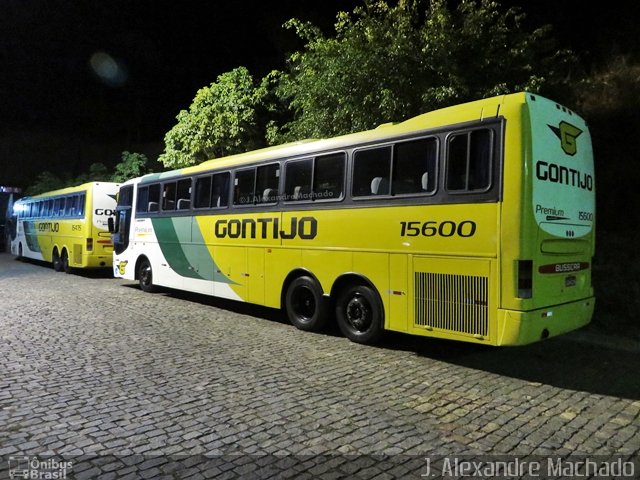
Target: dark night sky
(58,114)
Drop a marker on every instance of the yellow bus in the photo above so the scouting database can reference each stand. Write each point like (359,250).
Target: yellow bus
(473,223)
(67,227)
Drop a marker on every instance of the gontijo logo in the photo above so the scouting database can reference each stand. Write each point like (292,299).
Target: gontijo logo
(567,134)
(122,266)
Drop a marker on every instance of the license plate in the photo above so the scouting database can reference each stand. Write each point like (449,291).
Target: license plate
(570,281)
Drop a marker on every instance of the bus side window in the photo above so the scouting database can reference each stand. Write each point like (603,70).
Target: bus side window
(143,200)
(202,197)
(328,178)
(82,199)
(414,166)
(58,207)
(298,180)
(267,181)
(72,206)
(244,183)
(148,199)
(169,196)
(371,171)
(183,194)
(154,197)
(469,161)
(220,190)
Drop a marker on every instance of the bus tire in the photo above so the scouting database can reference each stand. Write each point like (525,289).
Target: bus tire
(360,314)
(145,276)
(65,262)
(20,253)
(305,304)
(56,260)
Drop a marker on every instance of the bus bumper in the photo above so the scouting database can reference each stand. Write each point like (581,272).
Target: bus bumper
(522,328)
(98,261)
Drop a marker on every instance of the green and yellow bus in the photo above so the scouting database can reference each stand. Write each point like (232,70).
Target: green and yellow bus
(66,227)
(473,223)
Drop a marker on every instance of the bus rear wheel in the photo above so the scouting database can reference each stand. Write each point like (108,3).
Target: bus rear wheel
(145,276)
(305,304)
(57,261)
(360,314)
(65,262)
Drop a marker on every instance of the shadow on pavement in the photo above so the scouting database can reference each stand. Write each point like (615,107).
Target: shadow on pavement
(583,360)
(586,360)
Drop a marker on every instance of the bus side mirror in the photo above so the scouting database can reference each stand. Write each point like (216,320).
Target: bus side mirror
(111,225)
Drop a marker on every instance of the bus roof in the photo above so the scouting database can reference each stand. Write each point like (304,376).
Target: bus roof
(480,109)
(63,191)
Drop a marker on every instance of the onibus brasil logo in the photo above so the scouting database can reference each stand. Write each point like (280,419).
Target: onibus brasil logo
(567,134)
(34,468)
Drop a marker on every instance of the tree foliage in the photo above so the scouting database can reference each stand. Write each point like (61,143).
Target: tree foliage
(387,63)
(45,182)
(132,165)
(98,172)
(221,120)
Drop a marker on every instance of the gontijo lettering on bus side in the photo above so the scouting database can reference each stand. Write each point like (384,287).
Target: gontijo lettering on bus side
(305,228)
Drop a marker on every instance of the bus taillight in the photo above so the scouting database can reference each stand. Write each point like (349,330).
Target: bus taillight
(89,244)
(525,278)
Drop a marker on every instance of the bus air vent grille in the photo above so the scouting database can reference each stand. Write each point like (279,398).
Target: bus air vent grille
(457,303)
(77,254)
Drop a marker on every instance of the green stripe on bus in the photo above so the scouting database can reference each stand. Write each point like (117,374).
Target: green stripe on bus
(31,236)
(188,257)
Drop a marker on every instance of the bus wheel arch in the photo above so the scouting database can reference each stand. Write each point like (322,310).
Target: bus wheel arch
(56,260)
(359,309)
(144,274)
(304,302)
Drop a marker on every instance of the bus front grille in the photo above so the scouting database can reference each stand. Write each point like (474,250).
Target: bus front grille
(457,303)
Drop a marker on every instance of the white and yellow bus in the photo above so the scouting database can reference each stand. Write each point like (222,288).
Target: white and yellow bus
(67,227)
(473,223)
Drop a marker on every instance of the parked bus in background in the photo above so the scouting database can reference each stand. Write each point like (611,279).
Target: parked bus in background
(67,227)
(8,195)
(472,223)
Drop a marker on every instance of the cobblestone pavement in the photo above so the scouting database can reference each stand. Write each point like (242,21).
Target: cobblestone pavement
(135,385)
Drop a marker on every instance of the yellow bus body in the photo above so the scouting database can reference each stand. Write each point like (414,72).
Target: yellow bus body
(507,265)
(66,227)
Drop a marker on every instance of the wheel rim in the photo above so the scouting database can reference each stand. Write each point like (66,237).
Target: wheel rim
(303,303)
(358,313)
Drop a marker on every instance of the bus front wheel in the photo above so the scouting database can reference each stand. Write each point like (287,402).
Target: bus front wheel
(145,276)
(360,314)
(305,305)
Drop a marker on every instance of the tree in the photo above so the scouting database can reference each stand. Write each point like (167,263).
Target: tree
(387,63)
(132,165)
(98,172)
(609,99)
(221,120)
(45,182)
